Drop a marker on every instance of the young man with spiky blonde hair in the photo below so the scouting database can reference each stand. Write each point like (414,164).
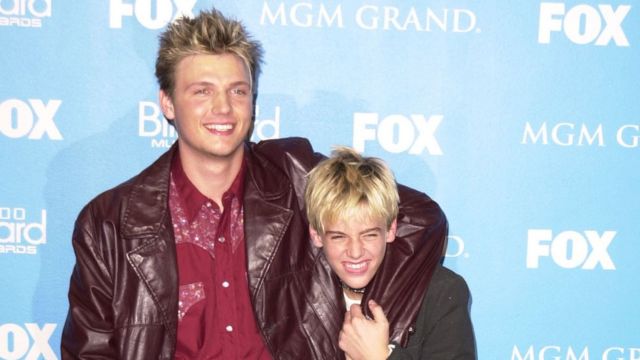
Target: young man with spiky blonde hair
(352,207)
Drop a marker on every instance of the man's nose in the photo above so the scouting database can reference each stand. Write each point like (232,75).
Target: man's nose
(220,103)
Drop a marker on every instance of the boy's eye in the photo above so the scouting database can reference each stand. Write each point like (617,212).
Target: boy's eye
(371,236)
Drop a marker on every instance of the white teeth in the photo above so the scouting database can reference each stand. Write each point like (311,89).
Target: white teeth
(219,127)
(355,266)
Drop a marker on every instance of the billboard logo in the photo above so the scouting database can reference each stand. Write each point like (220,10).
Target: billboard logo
(33,119)
(24,13)
(397,133)
(151,123)
(455,247)
(264,129)
(152,14)
(570,249)
(583,24)
(17,235)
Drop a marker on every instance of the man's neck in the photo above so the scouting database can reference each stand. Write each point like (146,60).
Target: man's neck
(211,176)
(352,295)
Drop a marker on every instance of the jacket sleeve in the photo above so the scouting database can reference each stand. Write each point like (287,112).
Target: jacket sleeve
(295,157)
(88,331)
(403,278)
(444,330)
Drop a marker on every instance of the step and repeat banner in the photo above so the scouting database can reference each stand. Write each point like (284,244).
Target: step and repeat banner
(521,118)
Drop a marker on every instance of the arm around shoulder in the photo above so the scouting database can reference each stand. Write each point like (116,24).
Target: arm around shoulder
(443,329)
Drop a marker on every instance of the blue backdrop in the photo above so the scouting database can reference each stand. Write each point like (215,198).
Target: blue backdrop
(521,118)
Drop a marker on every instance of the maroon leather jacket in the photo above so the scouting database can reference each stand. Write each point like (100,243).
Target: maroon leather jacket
(123,295)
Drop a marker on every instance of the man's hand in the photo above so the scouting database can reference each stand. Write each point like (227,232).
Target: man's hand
(362,338)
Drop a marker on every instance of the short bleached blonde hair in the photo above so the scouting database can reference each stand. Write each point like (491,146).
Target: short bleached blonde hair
(348,184)
(208,33)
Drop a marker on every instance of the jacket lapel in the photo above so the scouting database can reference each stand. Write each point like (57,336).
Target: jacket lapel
(146,226)
(267,218)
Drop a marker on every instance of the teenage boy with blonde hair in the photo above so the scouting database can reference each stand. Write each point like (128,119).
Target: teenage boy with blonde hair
(352,207)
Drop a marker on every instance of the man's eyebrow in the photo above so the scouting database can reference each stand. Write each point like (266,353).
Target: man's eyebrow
(211,83)
(241,82)
(199,83)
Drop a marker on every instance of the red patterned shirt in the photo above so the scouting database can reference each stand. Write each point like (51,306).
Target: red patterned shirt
(215,315)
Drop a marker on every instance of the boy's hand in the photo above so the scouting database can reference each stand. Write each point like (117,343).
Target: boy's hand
(362,338)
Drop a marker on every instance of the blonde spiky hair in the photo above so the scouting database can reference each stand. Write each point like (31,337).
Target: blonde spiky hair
(348,183)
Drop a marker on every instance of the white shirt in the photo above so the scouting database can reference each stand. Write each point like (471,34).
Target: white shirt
(348,301)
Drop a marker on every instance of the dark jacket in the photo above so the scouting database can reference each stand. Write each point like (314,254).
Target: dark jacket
(443,329)
(123,292)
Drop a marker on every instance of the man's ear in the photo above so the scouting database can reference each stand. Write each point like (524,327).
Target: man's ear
(391,234)
(166,104)
(316,239)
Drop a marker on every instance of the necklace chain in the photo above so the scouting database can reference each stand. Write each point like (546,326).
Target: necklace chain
(347,287)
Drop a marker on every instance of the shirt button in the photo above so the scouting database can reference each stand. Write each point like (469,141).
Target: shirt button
(221,239)
(229,328)
(225,284)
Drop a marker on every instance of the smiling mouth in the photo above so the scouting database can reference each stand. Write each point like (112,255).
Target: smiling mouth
(219,127)
(356,268)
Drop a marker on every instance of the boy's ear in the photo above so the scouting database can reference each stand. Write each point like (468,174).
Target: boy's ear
(391,234)
(166,104)
(316,239)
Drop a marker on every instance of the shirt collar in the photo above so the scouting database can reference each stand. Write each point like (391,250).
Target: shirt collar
(192,199)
